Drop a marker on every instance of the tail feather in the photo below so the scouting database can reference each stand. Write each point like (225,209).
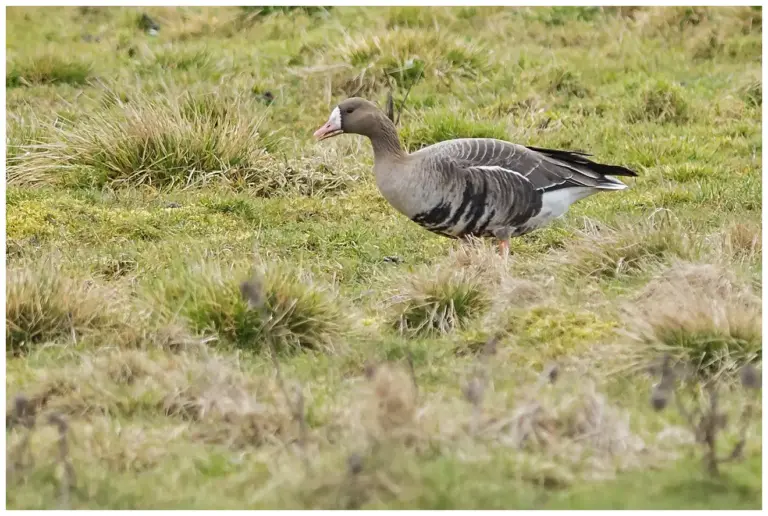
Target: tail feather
(578,158)
(610,183)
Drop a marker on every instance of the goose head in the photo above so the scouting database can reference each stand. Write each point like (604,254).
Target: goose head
(353,116)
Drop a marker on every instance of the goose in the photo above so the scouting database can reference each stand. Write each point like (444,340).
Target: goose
(472,187)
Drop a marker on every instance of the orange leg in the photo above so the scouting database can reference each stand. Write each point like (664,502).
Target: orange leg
(504,248)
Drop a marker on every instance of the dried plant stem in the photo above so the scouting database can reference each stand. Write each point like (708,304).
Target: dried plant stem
(299,416)
(412,371)
(390,107)
(68,478)
(296,407)
(706,422)
(474,390)
(405,99)
(738,449)
(710,427)
(252,292)
(22,415)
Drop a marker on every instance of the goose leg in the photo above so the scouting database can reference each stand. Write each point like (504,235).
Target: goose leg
(504,249)
(503,236)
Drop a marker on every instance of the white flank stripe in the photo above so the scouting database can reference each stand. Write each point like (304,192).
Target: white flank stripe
(507,170)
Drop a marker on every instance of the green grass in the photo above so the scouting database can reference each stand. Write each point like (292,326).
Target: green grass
(150,176)
(46,69)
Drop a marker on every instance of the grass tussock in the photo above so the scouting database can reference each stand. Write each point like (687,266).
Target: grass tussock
(185,141)
(576,423)
(185,24)
(683,21)
(293,312)
(701,317)
(260,11)
(183,59)
(753,94)
(48,68)
(661,102)
(565,82)
(190,141)
(439,300)
(557,16)
(605,252)
(43,305)
(406,56)
(23,136)
(743,241)
(415,17)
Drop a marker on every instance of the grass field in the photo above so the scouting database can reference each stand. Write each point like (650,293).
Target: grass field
(171,224)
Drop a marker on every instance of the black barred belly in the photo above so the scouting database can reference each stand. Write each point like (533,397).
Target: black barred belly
(476,213)
(436,219)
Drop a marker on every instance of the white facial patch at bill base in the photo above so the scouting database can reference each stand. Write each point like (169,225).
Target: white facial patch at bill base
(335,119)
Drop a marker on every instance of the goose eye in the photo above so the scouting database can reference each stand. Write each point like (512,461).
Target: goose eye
(349,110)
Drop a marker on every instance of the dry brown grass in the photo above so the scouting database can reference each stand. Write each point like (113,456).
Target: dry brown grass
(557,432)
(629,248)
(558,428)
(391,402)
(44,305)
(573,423)
(701,316)
(183,141)
(743,241)
(193,399)
(448,295)
(404,56)
(219,402)
(187,140)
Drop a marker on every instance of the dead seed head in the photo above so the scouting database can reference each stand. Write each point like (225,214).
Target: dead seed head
(355,463)
(23,413)
(392,398)
(369,370)
(491,346)
(660,396)
(473,391)
(252,292)
(551,373)
(751,377)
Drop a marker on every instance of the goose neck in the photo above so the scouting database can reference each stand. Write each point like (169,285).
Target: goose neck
(385,142)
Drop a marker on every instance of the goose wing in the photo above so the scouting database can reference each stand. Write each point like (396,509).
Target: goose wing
(546,169)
